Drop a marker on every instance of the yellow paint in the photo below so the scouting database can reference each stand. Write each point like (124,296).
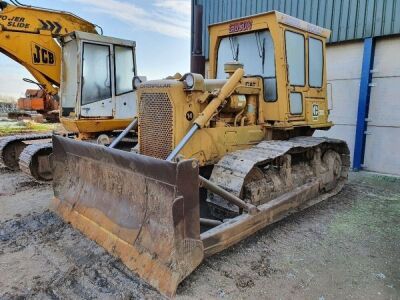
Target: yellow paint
(277,23)
(229,129)
(94,125)
(24,39)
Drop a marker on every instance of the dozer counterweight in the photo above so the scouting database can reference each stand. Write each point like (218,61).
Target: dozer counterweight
(217,159)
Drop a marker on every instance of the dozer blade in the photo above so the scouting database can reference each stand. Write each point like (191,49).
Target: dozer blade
(143,210)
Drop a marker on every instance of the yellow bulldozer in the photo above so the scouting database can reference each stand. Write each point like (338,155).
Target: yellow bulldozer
(217,159)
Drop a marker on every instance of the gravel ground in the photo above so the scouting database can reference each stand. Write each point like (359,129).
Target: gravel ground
(344,248)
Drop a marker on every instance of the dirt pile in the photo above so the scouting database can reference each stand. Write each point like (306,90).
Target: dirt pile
(58,262)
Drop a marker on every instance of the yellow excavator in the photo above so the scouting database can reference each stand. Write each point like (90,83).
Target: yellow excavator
(217,159)
(53,46)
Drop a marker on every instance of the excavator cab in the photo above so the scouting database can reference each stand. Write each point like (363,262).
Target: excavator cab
(96,83)
(218,159)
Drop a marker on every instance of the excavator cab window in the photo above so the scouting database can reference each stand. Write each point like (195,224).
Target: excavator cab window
(256,52)
(96,76)
(296,103)
(124,69)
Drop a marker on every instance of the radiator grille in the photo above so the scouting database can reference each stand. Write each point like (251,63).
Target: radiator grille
(155,119)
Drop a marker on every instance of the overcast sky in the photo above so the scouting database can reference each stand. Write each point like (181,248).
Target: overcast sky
(161,29)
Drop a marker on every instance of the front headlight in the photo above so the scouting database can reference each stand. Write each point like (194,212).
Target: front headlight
(193,82)
(136,82)
(189,80)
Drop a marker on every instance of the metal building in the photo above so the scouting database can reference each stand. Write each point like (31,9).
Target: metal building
(363,64)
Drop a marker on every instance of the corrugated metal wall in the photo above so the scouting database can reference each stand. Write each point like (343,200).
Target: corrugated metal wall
(348,19)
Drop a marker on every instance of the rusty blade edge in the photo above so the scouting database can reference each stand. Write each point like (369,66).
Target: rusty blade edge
(142,264)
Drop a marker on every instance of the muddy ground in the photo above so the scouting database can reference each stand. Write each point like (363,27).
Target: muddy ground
(345,248)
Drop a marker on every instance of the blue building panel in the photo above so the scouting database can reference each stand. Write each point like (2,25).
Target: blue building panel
(363,103)
(352,22)
(388,15)
(348,19)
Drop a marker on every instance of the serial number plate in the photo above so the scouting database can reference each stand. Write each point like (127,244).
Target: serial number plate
(240,26)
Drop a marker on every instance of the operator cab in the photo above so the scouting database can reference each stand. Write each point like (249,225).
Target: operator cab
(288,54)
(96,80)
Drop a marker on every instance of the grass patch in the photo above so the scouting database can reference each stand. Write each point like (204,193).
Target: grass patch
(10,128)
(373,212)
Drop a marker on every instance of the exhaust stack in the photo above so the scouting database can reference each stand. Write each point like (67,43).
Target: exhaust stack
(198,60)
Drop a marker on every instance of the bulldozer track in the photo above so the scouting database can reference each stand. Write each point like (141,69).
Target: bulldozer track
(235,169)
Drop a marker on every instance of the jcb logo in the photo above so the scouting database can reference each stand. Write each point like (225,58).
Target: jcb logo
(42,56)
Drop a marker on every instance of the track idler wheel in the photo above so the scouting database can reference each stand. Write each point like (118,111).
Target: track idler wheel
(10,154)
(34,161)
(333,162)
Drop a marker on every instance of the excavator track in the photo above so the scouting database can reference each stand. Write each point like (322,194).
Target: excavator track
(34,161)
(12,146)
(271,169)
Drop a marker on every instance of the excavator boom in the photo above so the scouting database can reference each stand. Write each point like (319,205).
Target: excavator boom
(27,35)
